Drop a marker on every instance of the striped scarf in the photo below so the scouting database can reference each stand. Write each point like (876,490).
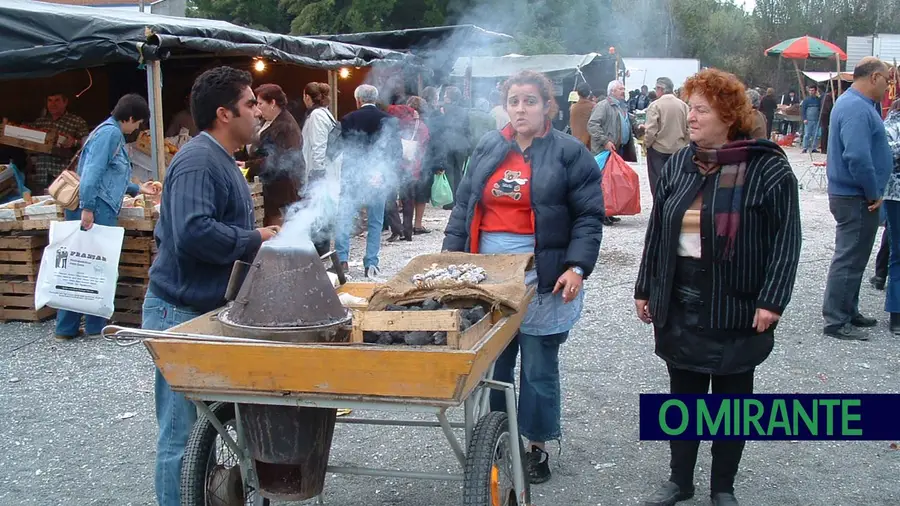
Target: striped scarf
(731,161)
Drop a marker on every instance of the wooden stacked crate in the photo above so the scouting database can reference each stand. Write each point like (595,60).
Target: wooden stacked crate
(134,276)
(20,261)
(259,211)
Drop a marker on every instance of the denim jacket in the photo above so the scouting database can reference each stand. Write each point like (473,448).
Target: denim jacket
(892,128)
(105,168)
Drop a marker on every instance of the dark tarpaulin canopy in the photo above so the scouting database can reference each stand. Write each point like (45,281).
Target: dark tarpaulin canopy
(41,39)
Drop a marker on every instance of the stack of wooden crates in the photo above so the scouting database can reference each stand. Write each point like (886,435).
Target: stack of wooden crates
(20,261)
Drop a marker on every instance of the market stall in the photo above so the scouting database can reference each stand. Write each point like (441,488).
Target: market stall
(98,55)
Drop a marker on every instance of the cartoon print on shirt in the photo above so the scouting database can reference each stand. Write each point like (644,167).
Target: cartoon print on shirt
(510,186)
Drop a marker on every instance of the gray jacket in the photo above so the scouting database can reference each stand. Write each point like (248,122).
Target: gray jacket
(605,126)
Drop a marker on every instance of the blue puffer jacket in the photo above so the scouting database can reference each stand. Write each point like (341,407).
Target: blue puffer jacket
(566,199)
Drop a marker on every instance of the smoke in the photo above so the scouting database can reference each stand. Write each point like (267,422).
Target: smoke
(368,171)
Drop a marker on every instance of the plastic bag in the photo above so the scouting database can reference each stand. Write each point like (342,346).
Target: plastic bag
(601,160)
(441,193)
(621,188)
(80,269)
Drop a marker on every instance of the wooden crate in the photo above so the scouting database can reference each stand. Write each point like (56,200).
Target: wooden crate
(20,255)
(430,321)
(259,211)
(127,318)
(44,211)
(17,301)
(136,258)
(9,136)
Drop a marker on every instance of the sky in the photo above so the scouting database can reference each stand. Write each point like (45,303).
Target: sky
(748,4)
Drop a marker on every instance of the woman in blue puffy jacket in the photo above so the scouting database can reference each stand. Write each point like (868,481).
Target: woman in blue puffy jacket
(533,189)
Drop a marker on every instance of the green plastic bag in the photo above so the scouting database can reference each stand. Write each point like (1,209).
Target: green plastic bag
(441,194)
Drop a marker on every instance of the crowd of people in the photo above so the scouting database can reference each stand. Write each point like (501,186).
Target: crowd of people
(721,250)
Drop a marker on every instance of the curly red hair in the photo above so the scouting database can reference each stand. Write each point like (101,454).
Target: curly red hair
(727,95)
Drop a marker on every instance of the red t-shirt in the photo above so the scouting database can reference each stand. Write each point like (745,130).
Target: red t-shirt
(506,201)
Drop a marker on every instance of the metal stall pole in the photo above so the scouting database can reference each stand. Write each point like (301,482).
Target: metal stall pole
(154,93)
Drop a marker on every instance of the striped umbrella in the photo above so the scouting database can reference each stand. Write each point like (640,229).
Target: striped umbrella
(801,48)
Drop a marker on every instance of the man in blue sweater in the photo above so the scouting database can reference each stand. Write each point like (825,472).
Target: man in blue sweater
(859,165)
(205,224)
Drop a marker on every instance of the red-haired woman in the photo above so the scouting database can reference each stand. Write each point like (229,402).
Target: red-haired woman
(719,263)
(275,156)
(533,189)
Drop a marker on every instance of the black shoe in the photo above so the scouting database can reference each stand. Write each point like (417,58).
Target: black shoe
(448,207)
(669,494)
(421,230)
(877,282)
(407,237)
(847,332)
(395,237)
(608,221)
(537,463)
(863,321)
(895,324)
(615,219)
(724,499)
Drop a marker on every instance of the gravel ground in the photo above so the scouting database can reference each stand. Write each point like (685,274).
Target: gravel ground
(78,422)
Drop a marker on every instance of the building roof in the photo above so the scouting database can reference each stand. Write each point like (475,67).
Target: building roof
(99,3)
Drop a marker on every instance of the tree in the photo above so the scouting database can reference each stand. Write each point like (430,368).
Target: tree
(267,15)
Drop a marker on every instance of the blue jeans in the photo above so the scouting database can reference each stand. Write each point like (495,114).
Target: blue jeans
(892,300)
(68,322)
(539,391)
(374,204)
(174,413)
(810,134)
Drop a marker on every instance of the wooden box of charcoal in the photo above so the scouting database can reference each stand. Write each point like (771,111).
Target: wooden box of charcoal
(458,324)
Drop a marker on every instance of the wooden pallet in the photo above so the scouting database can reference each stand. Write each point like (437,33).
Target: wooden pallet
(136,258)
(20,255)
(130,318)
(17,302)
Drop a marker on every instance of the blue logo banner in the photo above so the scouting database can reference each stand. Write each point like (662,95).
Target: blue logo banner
(864,417)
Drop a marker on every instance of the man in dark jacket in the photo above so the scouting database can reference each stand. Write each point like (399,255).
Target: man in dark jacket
(370,142)
(205,224)
(452,141)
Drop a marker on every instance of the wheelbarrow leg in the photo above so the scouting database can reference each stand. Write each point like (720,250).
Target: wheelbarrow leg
(336,264)
(248,470)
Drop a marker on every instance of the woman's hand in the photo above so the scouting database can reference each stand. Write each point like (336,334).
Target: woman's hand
(763,319)
(150,188)
(642,308)
(87,219)
(570,284)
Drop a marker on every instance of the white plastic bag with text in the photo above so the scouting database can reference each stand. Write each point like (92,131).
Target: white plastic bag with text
(80,269)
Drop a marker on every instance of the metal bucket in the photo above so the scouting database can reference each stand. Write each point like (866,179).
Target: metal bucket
(290,447)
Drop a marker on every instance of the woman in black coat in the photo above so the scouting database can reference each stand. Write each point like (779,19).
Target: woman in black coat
(533,189)
(277,156)
(719,263)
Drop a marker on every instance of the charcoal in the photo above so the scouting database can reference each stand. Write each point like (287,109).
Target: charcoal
(385,338)
(439,338)
(464,324)
(395,307)
(418,338)
(371,337)
(445,307)
(413,308)
(475,314)
(398,337)
(431,305)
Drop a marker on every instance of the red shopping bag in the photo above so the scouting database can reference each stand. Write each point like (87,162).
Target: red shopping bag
(621,188)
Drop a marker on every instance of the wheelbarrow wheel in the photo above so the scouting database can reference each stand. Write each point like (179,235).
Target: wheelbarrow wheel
(211,472)
(489,465)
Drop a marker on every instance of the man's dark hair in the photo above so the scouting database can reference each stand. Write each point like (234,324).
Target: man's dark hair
(584,90)
(868,68)
(58,93)
(218,87)
(131,107)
